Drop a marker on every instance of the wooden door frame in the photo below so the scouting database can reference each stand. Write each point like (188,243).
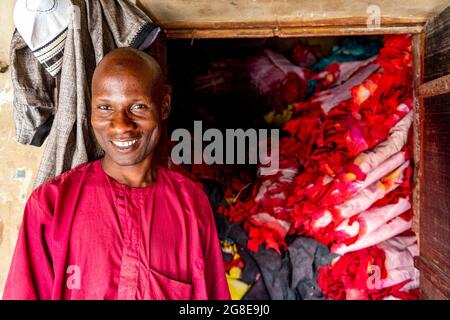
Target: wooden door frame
(354,26)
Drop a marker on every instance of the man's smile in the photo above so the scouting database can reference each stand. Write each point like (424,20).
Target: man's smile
(125,145)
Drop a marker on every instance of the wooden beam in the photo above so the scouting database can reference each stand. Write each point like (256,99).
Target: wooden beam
(435,87)
(288,23)
(418,42)
(286,32)
(216,27)
(435,280)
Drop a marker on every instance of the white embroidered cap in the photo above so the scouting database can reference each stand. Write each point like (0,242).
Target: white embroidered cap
(43,25)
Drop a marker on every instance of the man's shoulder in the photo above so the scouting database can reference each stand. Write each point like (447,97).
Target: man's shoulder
(182,180)
(65,180)
(185,184)
(193,195)
(50,193)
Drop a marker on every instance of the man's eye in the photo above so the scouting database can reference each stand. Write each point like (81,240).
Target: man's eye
(138,106)
(104,107)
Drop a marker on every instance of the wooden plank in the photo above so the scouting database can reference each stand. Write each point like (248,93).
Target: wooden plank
(435,87)
(438,189)
(437,104)
(285,32)
(289,18)
(429,291)
(440,210)
(418,52)
(435,197)
(435,166)
(431,280)
(216,14)
(437,46)
(272,21)
(434,262)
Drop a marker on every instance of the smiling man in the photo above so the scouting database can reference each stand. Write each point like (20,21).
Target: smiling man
(120,227)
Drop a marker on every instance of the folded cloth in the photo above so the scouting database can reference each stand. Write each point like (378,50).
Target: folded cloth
(336,73)
(100,27)
(370,220)
(350,49)
(277,79)
(400,252)
(363,200)
(322,223)
(377,272)
(330,98)
(369,160)
(43,26)
(304,55)
(386,231)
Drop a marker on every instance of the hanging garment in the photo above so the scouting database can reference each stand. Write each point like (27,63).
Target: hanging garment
(34,94)
(156,242)
(97,28)
(43,25)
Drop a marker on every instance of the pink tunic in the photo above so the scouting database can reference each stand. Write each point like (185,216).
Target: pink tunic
(86,236)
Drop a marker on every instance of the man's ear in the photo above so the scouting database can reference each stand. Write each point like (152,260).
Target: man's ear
(166,102)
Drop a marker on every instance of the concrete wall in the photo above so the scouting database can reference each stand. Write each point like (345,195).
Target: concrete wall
(18,163)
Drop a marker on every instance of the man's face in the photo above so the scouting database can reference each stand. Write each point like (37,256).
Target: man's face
(127,111)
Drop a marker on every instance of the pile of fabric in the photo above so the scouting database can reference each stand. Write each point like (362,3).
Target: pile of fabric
(345,174)
(278,79)
(266,274)
(382,271)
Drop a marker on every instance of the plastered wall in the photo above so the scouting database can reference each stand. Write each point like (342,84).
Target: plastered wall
(18,163)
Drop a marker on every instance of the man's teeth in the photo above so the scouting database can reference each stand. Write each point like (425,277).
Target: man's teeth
(124,144)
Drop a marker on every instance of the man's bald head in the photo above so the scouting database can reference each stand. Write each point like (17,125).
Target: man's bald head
(131,62)
(129,102)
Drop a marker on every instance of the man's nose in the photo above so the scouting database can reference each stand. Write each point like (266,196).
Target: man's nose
(122,123)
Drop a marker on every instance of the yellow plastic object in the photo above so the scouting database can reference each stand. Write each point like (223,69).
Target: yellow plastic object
(237,287)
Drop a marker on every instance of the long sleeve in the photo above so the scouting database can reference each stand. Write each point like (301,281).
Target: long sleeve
(216,283)
(129,25)
(31,274)
(33,105)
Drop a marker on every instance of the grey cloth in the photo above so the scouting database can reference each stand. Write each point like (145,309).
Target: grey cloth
(289,276)
(33,104)
(258,291)
(98,27)
(306,256)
